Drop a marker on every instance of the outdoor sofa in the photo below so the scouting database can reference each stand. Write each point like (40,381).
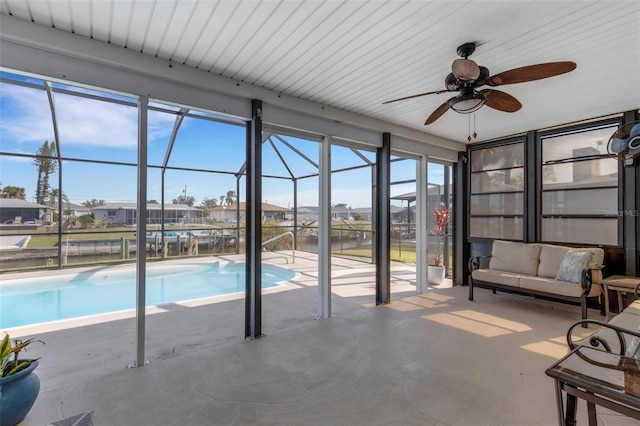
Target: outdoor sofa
(552,271)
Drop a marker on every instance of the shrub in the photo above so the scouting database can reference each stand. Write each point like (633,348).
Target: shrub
(85,220)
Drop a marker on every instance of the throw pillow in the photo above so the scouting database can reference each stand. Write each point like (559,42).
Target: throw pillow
(633,348)
(572,265)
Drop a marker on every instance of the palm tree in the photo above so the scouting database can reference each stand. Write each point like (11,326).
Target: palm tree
(230,197)
(53,198)
(94,203)
(10,191)
(208,203)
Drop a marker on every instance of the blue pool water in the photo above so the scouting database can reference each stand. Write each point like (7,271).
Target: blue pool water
(36,300)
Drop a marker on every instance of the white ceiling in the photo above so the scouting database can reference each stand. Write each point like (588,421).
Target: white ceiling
(354,55)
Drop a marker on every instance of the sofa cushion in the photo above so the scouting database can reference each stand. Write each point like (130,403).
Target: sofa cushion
(496,276)
(573,264)
(633,308)
(550,259)
(623,320)
(596,290)
(515,257)
(633,347)
(629,322)
(549,285)
(552,255)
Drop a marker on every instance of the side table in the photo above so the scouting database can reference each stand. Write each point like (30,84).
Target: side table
(621,284)
(598,377)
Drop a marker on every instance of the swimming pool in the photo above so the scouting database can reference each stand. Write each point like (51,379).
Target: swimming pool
(26,301)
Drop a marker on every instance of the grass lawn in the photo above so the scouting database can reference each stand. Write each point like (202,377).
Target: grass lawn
(407,255)
(39,241)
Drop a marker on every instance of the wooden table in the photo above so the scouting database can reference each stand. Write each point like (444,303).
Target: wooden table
(621,284)
(598,377)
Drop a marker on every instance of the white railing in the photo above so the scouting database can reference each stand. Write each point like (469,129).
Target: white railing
(293,244)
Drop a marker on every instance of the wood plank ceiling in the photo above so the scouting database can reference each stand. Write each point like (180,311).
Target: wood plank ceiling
(354,55)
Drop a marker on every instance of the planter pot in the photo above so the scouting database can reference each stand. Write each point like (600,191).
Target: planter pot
(435,274)
(18,392)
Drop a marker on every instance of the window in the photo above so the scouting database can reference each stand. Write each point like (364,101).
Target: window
(497,192)
(580,187)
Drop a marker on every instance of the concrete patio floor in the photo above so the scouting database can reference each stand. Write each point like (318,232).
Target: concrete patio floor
(430,359)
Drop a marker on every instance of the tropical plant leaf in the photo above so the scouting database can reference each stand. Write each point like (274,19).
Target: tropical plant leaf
(5,346)
(21,366)
(9,363)
(5,354)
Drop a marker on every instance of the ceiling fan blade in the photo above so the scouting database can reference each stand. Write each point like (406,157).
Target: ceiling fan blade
(417,96)
(501,101)
(438,112)
(531,73)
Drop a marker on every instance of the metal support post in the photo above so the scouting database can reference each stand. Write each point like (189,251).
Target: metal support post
(238,176)
(253,223)
(383,221)
(447,202)
(374,212)
(141,231)
(422,231)
(295,212)
(324,231)
(630,205)
(460,222)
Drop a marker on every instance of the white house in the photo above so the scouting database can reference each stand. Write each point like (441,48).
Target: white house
(125,213)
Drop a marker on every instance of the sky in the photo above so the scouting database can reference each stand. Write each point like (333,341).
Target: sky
(92,129)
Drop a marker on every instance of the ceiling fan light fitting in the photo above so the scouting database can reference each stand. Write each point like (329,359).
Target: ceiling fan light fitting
(467,103)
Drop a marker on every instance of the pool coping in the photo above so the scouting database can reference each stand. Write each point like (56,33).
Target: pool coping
(131,313)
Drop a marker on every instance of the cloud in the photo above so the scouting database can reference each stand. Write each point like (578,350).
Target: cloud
(81,121)
(26,114)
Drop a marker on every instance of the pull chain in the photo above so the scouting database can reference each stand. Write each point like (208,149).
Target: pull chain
(475,135)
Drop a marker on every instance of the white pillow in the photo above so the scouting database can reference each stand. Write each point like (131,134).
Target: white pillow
(572,265)
(633,348)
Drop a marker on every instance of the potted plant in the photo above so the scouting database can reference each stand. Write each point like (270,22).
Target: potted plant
(435,270)
(19,387)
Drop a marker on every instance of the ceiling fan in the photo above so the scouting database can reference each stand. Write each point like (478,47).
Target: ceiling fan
(624,144)
(466,76)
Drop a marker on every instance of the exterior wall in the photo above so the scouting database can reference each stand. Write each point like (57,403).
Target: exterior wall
(127,216)
(225,215)
(275,215)
(7,215)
